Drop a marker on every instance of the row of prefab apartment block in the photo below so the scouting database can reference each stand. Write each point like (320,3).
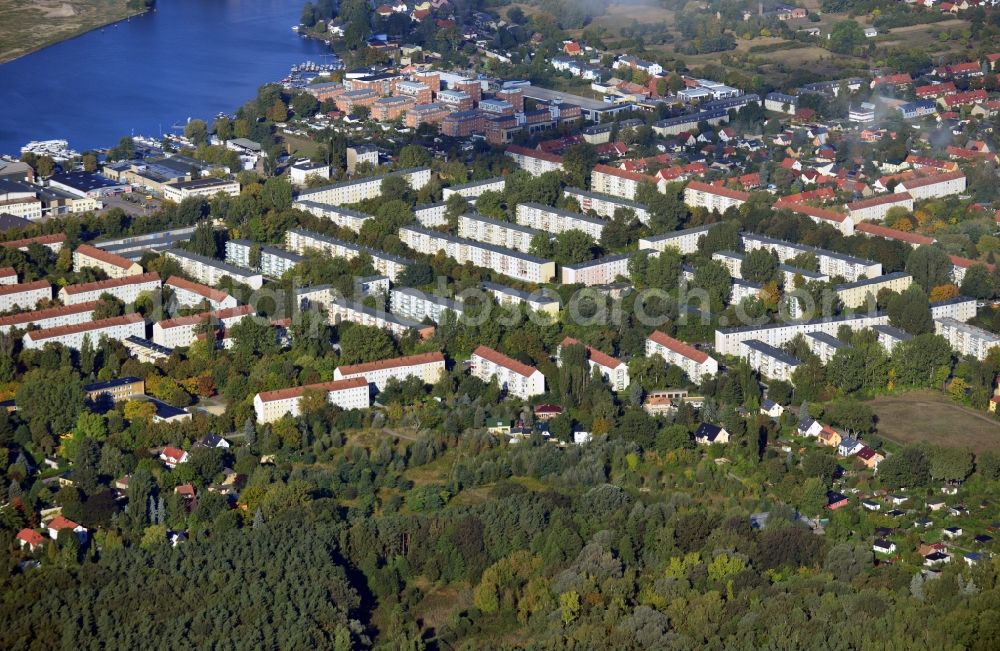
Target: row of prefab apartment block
(71,323)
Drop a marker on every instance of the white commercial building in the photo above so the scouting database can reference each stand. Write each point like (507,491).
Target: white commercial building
(508,262)
(349,394)
(495,232)
(117,328)
(201,187)
(300,241)
(515,377)
(211,271)
(429,367)
(692,361)
(126,290)
(24,296)
(614,371)
(555,221)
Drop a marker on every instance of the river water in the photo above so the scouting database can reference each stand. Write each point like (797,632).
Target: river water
(189,58)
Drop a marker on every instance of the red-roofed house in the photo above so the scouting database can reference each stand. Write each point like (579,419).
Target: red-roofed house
(572,48)
(172,457)
(59,523)
(961,99)
(613,370)
(515,377)
(694,362)
(30,538)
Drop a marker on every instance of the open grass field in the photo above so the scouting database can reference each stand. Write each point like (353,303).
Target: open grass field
(29,25)
(928,416)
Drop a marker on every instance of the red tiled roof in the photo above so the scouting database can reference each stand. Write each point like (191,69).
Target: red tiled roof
(548,409)
(59,523)
(936,89)
(893,234)
(902,78)
(897,197)
(920,182)
(822,194)
(197,288)
(965,263)
(595,355)
(105,257)
(47,313)
(502,360)
(614,171)
(719,190)
(812,211)
(7,271)
(395,362)
(294,392)
(239,310)
(968,97)
(678,347)
(20,288)
(111,282)
(41,239)
(31,537)
(534,153)
(59,331)
(170,452)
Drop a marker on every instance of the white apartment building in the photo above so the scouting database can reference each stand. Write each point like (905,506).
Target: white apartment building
(118,328)
(966,339)
(190,294)
(211,271)
(300,241)
(555,221)
(201,187)
(181,332)
(340,310)
(274,262)
(740,290)
(126,290)
(115,266)
(51,317)
(605,179)
(935,185)
(605,205)
(713,197)
(343,217)
(473,190)
(508,262)
(824,345)
(432,214)
(53,242)
(302,172)
(271,406)
(359,155)
(498,233)
(890,336)
(542,301)
(516,378)
(24,295)
(960,308)
(597,272)
(359,190)
(830,263)
(876,208)
(414,304)
(692,361)
(770,362)
(614,371)
(429,367)
(533,161)
(685,241)
(855,295)
(728,340)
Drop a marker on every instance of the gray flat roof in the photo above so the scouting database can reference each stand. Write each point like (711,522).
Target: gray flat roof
(828,339)
(523,295)
(549,95)
(566,213)
(375,253)
(473,243)
(771,351)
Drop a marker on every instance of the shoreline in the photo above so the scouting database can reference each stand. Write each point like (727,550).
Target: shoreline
(76,34)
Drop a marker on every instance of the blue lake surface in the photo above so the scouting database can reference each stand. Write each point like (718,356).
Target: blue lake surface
(189,58)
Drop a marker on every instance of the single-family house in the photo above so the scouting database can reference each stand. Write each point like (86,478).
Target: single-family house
(59,523)
(771,408)
(707,434)
(884,547)
(172,457)
(30,538)
(835,500)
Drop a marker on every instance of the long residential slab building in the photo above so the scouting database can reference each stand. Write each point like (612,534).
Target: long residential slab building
(605,205)
(508,262)
(270,406)
(301,241)
(126,289)
(211,271)
(554,220)
(24,296)
(114,265)
(182,331)
(831,263)
(350,192)
(517,378)
(72,336)
(52,317)
(966,339)
(498,233)
(613,370)
(429,367)
(695,363)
